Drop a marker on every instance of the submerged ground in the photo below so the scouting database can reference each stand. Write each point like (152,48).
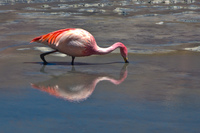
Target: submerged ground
(158,91)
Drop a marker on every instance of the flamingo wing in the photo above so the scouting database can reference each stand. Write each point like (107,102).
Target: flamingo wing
(51,37)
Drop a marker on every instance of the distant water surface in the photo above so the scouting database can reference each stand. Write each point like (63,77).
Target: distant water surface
(146,27)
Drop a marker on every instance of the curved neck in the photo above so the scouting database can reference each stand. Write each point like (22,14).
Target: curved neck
(102,51)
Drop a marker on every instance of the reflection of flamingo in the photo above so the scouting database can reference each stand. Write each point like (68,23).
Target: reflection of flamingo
(76,43)
(79,86)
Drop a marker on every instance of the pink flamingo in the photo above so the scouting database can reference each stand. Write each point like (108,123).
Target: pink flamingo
(76,43)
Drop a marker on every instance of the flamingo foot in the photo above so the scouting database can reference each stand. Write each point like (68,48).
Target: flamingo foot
(72,63)
(44,54)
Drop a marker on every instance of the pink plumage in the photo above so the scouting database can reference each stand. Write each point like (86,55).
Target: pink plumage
(76,43)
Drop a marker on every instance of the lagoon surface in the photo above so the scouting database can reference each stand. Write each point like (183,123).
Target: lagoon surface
(157,92)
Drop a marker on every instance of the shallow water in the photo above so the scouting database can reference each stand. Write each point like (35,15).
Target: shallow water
(158,91)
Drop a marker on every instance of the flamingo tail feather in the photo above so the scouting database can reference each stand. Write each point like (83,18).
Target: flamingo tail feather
(36,39)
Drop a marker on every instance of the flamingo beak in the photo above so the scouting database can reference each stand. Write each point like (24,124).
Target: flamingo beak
(126,60)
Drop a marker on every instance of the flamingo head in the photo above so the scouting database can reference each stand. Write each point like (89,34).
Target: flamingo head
(124,52)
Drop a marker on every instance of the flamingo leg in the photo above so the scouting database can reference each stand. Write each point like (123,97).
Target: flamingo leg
(72,63)
(44,54)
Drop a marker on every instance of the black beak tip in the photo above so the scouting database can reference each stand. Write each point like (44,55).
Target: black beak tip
(126,61)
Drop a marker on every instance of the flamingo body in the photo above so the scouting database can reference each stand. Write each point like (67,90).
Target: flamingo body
(76,43)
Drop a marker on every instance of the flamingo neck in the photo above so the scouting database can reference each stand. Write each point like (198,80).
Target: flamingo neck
(102,51)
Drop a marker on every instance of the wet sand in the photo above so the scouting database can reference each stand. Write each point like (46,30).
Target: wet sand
(158,91)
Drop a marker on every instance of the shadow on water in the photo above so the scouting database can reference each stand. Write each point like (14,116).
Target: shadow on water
(76,86)
(69,63)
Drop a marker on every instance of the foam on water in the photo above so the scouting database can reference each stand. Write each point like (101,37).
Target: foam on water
(47,49)
(196,49)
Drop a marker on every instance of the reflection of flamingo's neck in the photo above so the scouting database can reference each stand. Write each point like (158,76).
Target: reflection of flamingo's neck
(112,80)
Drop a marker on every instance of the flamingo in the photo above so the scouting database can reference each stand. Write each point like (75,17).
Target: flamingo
(76,42)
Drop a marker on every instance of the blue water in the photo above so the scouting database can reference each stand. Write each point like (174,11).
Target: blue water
(34,111)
